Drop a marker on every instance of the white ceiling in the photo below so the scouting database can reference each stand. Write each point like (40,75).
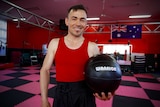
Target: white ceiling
(109,11)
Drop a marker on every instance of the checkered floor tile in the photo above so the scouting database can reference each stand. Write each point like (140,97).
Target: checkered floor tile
(19,87)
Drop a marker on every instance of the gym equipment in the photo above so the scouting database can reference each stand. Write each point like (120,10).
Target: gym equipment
(103,74)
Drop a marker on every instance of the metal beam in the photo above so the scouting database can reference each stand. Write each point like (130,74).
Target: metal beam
(145,25)
(21,13)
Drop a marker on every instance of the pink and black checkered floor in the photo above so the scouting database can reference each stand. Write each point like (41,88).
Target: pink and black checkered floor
(19,87)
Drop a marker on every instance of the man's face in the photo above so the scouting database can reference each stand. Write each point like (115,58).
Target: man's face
(76,22)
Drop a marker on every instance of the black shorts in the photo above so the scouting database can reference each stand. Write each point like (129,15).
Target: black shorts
(73,94)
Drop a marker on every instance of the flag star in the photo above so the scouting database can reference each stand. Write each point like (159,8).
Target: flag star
(134,26)
(118,35)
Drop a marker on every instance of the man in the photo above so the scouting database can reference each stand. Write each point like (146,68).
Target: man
(70,54)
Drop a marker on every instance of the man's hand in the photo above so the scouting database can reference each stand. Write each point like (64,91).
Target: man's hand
(103,96)
(45,104)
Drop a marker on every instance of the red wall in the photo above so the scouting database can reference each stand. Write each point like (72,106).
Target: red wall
(15,36)
(35,37)
(29,38)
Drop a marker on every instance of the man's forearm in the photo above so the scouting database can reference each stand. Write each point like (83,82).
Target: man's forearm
(44,81)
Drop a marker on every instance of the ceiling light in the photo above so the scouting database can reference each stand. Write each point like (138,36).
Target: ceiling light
(139,16)
(96,18)
(15,20)
(22,19)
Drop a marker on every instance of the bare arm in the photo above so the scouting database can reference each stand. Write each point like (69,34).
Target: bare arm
(45,71)
(93,49)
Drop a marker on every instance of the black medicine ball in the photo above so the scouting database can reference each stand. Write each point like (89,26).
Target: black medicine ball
(103,74)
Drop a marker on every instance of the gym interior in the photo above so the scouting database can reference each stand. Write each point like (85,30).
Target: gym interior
(27,26)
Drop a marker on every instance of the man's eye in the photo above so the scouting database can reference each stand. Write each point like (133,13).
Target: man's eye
(74,19)
(83,20)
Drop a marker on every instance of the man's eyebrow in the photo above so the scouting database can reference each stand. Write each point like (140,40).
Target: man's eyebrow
(74,17)
(77,17)
(83,18)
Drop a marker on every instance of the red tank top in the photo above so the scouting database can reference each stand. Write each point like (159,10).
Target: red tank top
(70,63)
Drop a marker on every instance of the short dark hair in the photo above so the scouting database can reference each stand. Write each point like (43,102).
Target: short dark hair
(77,7)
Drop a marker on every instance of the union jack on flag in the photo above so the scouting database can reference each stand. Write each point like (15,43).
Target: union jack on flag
(119,28)
(126,31)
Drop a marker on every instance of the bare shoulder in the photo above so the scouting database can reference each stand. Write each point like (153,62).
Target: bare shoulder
(93,49)
(54,41)
(53,44)
(92,44)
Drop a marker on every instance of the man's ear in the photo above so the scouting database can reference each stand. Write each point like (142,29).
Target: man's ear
(66,21)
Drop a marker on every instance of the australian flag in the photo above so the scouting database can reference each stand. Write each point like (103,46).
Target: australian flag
(126,31)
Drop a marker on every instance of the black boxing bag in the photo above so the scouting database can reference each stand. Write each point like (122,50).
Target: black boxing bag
(103,74)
